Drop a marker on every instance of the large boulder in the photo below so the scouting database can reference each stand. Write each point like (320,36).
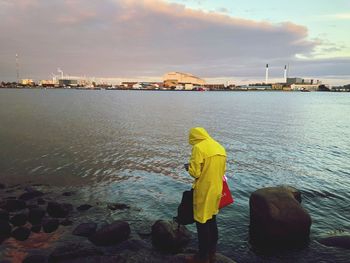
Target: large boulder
(55,209)
(111,234)
(277,218)
(342,241)
(170,237)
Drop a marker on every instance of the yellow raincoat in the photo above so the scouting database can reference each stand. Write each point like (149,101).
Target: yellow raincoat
(207,166)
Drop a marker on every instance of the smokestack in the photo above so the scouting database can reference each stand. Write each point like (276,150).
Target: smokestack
(17,68)
(267,73)
(285,73)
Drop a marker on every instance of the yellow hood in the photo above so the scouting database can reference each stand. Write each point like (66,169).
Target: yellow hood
(197,135)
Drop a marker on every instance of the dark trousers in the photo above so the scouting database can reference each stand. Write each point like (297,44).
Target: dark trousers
(207,238)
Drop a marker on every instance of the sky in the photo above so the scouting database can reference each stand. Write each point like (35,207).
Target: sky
(222,41)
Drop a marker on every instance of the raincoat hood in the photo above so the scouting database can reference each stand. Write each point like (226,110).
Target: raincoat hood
(197,135)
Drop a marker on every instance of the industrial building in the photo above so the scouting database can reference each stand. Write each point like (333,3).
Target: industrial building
(303,84)
(178,80)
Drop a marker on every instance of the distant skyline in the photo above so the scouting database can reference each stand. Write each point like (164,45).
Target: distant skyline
(227,41)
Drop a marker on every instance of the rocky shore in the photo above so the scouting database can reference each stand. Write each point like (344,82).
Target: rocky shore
(42,224)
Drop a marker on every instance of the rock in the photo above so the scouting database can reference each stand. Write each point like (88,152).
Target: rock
(169,237)
(19,219)
(3,238)
(50,225)
(4,215)
(30,195)
(66,222)
(180,258)
(21,233)
(111,234)
(85,229)
(41,201)
(36,228)
(72,251)
(35,259)
(342,241)
(55,209)
(277,218)
(36,215)
(5,228)
(68,193)
(12,205)
(118,206)
(84,207)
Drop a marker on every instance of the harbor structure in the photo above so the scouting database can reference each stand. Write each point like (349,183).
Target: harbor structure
(301,84)
(179,80)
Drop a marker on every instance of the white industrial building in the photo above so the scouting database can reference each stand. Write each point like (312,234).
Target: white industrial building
(182,80)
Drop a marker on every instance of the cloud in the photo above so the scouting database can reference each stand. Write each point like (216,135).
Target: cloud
(339,16)
(130,38)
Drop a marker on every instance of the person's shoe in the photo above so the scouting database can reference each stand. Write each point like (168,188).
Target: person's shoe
(195,259)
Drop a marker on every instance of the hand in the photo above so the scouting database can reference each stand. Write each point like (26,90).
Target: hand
(186,165)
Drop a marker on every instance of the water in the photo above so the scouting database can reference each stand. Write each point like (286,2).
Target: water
(131,146)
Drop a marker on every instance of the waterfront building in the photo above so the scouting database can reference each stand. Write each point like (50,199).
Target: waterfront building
(186,80)
(68,82)
(27,82)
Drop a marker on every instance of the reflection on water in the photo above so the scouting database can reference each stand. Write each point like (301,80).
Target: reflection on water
(132,145)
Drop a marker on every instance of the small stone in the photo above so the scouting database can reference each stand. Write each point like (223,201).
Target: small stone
(21,233)
(41,201)
(66,222)
(72,251)
(36,228)
(18,220)
(35,259)
(118,206)
(50,225)
(342,241)
(55,209)
(5,228)
(85,229)
(68,193)
(30,195)
(36,215)
(84,207)
(4,215)
(14,205)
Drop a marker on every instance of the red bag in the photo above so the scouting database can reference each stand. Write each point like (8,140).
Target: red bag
(226,196)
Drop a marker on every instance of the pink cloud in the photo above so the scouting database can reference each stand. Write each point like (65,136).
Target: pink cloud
(141,37)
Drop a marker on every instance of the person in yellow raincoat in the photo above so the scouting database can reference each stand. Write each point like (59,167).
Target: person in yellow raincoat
(207,166)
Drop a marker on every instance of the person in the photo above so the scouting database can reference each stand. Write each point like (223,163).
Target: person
(207,166)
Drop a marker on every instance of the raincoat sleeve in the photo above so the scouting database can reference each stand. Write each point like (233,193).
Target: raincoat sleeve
(196,161)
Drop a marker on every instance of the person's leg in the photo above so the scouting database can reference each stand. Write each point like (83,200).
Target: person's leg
(214,236)
(203,231)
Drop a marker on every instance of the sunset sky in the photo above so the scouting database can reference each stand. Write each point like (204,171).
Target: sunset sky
(221,40)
